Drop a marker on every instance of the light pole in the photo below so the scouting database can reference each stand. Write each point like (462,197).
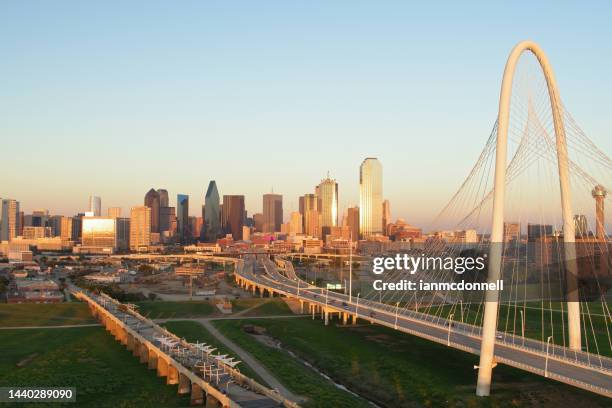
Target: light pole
(522,326)
(298,287)
(396,313)
(357,307)
(351,269)
(450,324)
(546,363)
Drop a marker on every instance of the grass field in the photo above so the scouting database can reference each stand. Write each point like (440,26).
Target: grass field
(261,307)
(166,310)
(394,369)
(104,373)
(15,315)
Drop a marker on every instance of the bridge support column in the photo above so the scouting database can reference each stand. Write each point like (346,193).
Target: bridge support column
(143,353)
(130,343)
(152,361)
(162,367)
(344,317)
(173,375)
(354,319)
(184,384)
(301,306)
(326,313)
(197,395)
(212,402)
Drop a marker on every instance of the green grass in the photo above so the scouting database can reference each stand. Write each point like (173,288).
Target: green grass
(166,310)
(300,379)
(394,369)
(50,314)
(194,331)
(261,307)
(104,373)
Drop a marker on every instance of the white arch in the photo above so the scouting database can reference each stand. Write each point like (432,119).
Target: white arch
(497,230)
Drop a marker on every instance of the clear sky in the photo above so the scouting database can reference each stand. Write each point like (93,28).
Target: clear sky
(117,97)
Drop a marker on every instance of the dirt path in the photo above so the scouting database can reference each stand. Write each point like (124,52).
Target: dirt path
(250,361)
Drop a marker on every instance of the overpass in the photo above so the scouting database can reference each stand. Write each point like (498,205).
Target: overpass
(584,370)
(211,380)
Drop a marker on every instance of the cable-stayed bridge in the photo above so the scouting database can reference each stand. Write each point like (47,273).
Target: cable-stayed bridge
(529,216)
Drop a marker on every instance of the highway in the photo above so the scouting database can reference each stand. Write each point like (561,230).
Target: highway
(584,370)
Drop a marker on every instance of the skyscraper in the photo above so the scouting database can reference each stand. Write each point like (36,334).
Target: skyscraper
(164,201)
(182,217)
(99,234)
(309,203)
(140,227)
(95,206)
(151,200)
(581,226)
(233,215)
(212,213)
(353,222)
(272,212)
(167,221)
(386,215)
(10,220)
(295,223)
(370,197)
(327,194)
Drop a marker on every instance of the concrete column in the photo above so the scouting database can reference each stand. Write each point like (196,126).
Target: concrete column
(354,319)
(344,317)
(130,343)
(162,367)
(173,375)
(212,402)
(184,384)
(301,306)
(326,313)
(152,362)
(144,353)
(197,395)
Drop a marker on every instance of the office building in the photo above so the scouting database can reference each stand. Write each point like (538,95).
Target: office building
(327,195)
(99,235)
(182,218)
(581,226)
(370,198)
(164,200)
(386,215)
(95,206)
(10,220)
(272,212)
(140,227)
(114,212)
(212,213)
(353,222)
(233,215)
(512,232)
(296,224)
(151,200)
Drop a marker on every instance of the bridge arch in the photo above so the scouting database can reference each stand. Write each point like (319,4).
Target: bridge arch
(495,256)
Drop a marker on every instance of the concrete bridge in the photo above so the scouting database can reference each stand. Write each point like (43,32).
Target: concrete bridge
(211,380)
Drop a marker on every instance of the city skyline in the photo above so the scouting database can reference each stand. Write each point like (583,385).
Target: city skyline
(354,101)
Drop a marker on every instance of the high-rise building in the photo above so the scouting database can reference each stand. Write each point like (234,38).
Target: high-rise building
(327,194)
(233,215)
(39,218)
(10,220)
(164,201)
(258,222)
(151,200)
(309,203)
(114,212)
(581,226)
(370,197)
(386,215)
(123,233)
(313,223)
(195,227)
(55,222)
(77,226)
(212,213)
(272,212)
(353,222)
(99,234)
(140,227)
(536,231)
(295,223)
(182,218)
(66,232)
(95,206)
(167,221)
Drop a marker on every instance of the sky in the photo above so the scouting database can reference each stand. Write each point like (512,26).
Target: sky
(113,98)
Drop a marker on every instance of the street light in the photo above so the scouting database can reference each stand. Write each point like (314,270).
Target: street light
(449,323)
(546,363)
(396,313)
(357,307)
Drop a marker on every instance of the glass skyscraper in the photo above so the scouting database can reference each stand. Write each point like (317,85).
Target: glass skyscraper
(327,195)
(370,197)
(182,216)
(212,213)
